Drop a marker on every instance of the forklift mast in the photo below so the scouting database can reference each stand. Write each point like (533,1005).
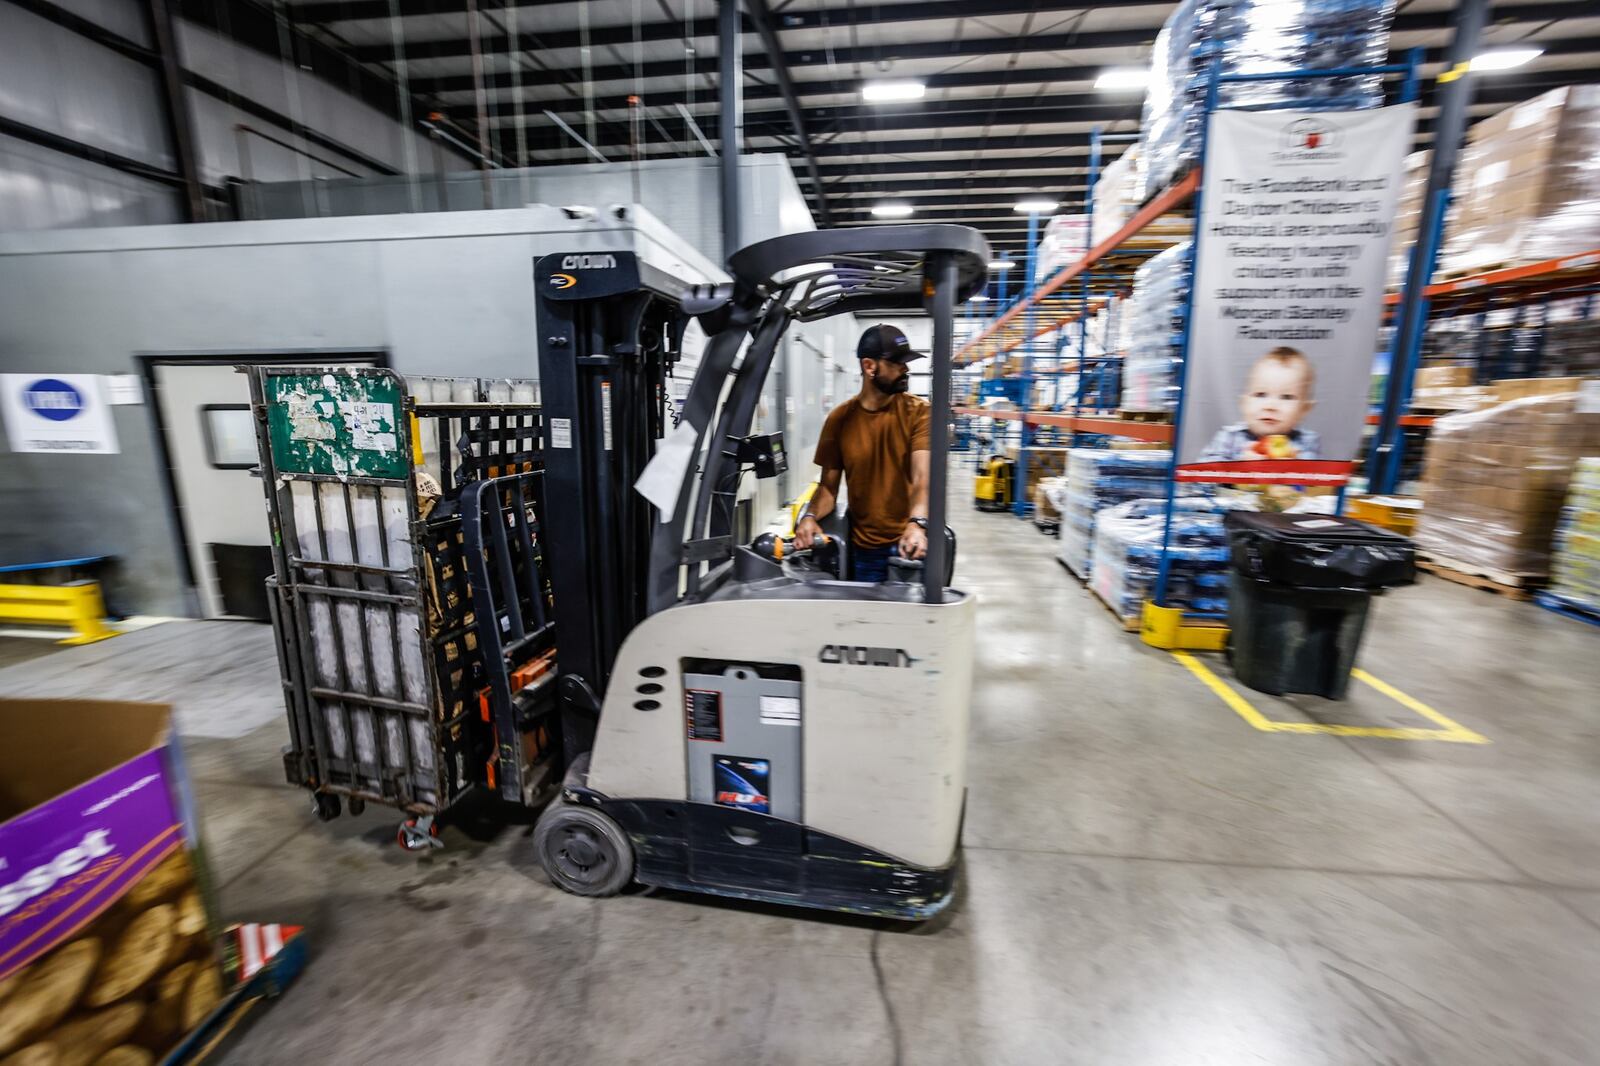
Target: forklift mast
(610,330)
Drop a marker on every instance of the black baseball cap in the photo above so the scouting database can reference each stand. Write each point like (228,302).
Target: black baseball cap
(885,342)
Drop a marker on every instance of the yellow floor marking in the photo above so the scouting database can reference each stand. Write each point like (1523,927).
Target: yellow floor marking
(1451,731)
(1467,736)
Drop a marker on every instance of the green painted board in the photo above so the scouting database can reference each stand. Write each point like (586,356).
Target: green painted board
(337,422)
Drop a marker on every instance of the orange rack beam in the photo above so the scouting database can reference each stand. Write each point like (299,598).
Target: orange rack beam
(1173,197)
(1546,270)
(1111,426)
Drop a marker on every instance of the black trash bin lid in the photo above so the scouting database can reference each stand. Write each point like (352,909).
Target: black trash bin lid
(1310,551)
(1318,528)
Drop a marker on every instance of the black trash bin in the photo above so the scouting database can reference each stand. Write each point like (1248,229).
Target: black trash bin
(1298,596)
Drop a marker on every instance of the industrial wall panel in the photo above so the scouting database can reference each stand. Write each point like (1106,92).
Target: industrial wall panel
(59,81)
(302,97)
(214,130)
(126,18)
(436,294)
(43,189)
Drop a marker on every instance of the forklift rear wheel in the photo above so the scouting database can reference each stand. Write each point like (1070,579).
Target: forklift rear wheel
(583,851)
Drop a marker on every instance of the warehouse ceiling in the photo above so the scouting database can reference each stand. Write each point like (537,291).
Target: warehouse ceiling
(1010,99)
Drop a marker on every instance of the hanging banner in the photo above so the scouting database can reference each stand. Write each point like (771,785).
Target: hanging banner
(57,413)
(1295,220)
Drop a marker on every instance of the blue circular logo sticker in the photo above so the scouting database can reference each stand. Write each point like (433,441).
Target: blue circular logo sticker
(54,399)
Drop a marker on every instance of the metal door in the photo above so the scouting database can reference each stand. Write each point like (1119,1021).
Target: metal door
(204,408)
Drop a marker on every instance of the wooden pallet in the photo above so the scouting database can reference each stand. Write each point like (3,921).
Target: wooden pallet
(1145,416)
(1512,586)
(1079,578)
(1128,626)
(1472,271)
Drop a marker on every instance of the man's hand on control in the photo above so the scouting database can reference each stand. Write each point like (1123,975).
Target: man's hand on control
(913,542)
(806,532)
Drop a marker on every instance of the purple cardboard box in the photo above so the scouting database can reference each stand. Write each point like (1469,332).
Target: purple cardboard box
(105,932)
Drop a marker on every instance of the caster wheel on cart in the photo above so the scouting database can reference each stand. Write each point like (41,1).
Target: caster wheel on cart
(583,850)
(419,834)
(357,806)
(325,805)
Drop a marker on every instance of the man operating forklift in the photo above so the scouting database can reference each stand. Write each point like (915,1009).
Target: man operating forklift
(878,440)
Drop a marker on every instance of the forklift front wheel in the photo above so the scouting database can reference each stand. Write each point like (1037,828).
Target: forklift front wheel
(583,851)
(326,806)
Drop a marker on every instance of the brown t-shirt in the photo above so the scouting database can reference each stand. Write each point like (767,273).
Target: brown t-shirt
(874,448)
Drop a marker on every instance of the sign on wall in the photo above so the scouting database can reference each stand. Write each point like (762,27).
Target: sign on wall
(1295,220)
(57,413)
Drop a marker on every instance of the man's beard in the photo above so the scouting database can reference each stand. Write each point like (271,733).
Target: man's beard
(899,385)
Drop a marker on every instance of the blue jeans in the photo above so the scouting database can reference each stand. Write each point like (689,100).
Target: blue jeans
(872,564)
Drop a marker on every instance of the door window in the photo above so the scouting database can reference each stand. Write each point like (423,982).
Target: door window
(230,435)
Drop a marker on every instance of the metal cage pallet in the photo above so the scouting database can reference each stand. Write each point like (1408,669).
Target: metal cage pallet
(381,633)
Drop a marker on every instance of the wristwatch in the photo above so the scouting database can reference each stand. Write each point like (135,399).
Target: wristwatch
(923,522)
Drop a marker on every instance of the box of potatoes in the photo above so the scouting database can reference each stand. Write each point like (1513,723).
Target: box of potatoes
(107,956)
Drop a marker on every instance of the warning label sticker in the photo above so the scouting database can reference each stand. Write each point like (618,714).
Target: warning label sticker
(780,710)
(704,710)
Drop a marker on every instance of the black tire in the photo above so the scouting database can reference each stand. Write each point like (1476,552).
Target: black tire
(583,851)
(357,806)
(326,805)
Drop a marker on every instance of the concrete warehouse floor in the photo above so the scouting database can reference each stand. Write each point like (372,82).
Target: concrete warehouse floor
(1149,879)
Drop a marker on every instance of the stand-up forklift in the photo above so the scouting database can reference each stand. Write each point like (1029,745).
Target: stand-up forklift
(733,721)
(484,595)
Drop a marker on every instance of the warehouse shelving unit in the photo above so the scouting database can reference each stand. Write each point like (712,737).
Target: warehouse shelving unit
(1519,288)
(1107,267)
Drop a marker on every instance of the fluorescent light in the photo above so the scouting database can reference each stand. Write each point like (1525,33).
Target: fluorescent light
(884,92)
(891,210)
(979,299)
(1505,58)
(1002,264)
(1118,79)
(1036,207)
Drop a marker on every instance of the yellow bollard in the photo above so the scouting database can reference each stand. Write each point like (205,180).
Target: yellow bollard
(77,605)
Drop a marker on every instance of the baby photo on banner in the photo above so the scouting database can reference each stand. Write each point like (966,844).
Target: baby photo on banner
(1295,218)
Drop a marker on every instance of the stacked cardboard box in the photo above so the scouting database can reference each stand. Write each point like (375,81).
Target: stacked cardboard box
(1508,389)
(1449,388)
(1066,238)
(1527,188)
(1575,571)
(1493,482)
(1117,195)
(1408,215)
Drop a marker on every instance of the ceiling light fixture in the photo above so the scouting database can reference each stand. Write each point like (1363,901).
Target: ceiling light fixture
(1035,207)
(1002,264)
(1505,58)
(1122,79)
(887,92)
(980,299)
(891,210)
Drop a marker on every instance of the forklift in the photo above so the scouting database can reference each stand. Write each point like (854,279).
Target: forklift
(992,488)
(561,606)
(735,719)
